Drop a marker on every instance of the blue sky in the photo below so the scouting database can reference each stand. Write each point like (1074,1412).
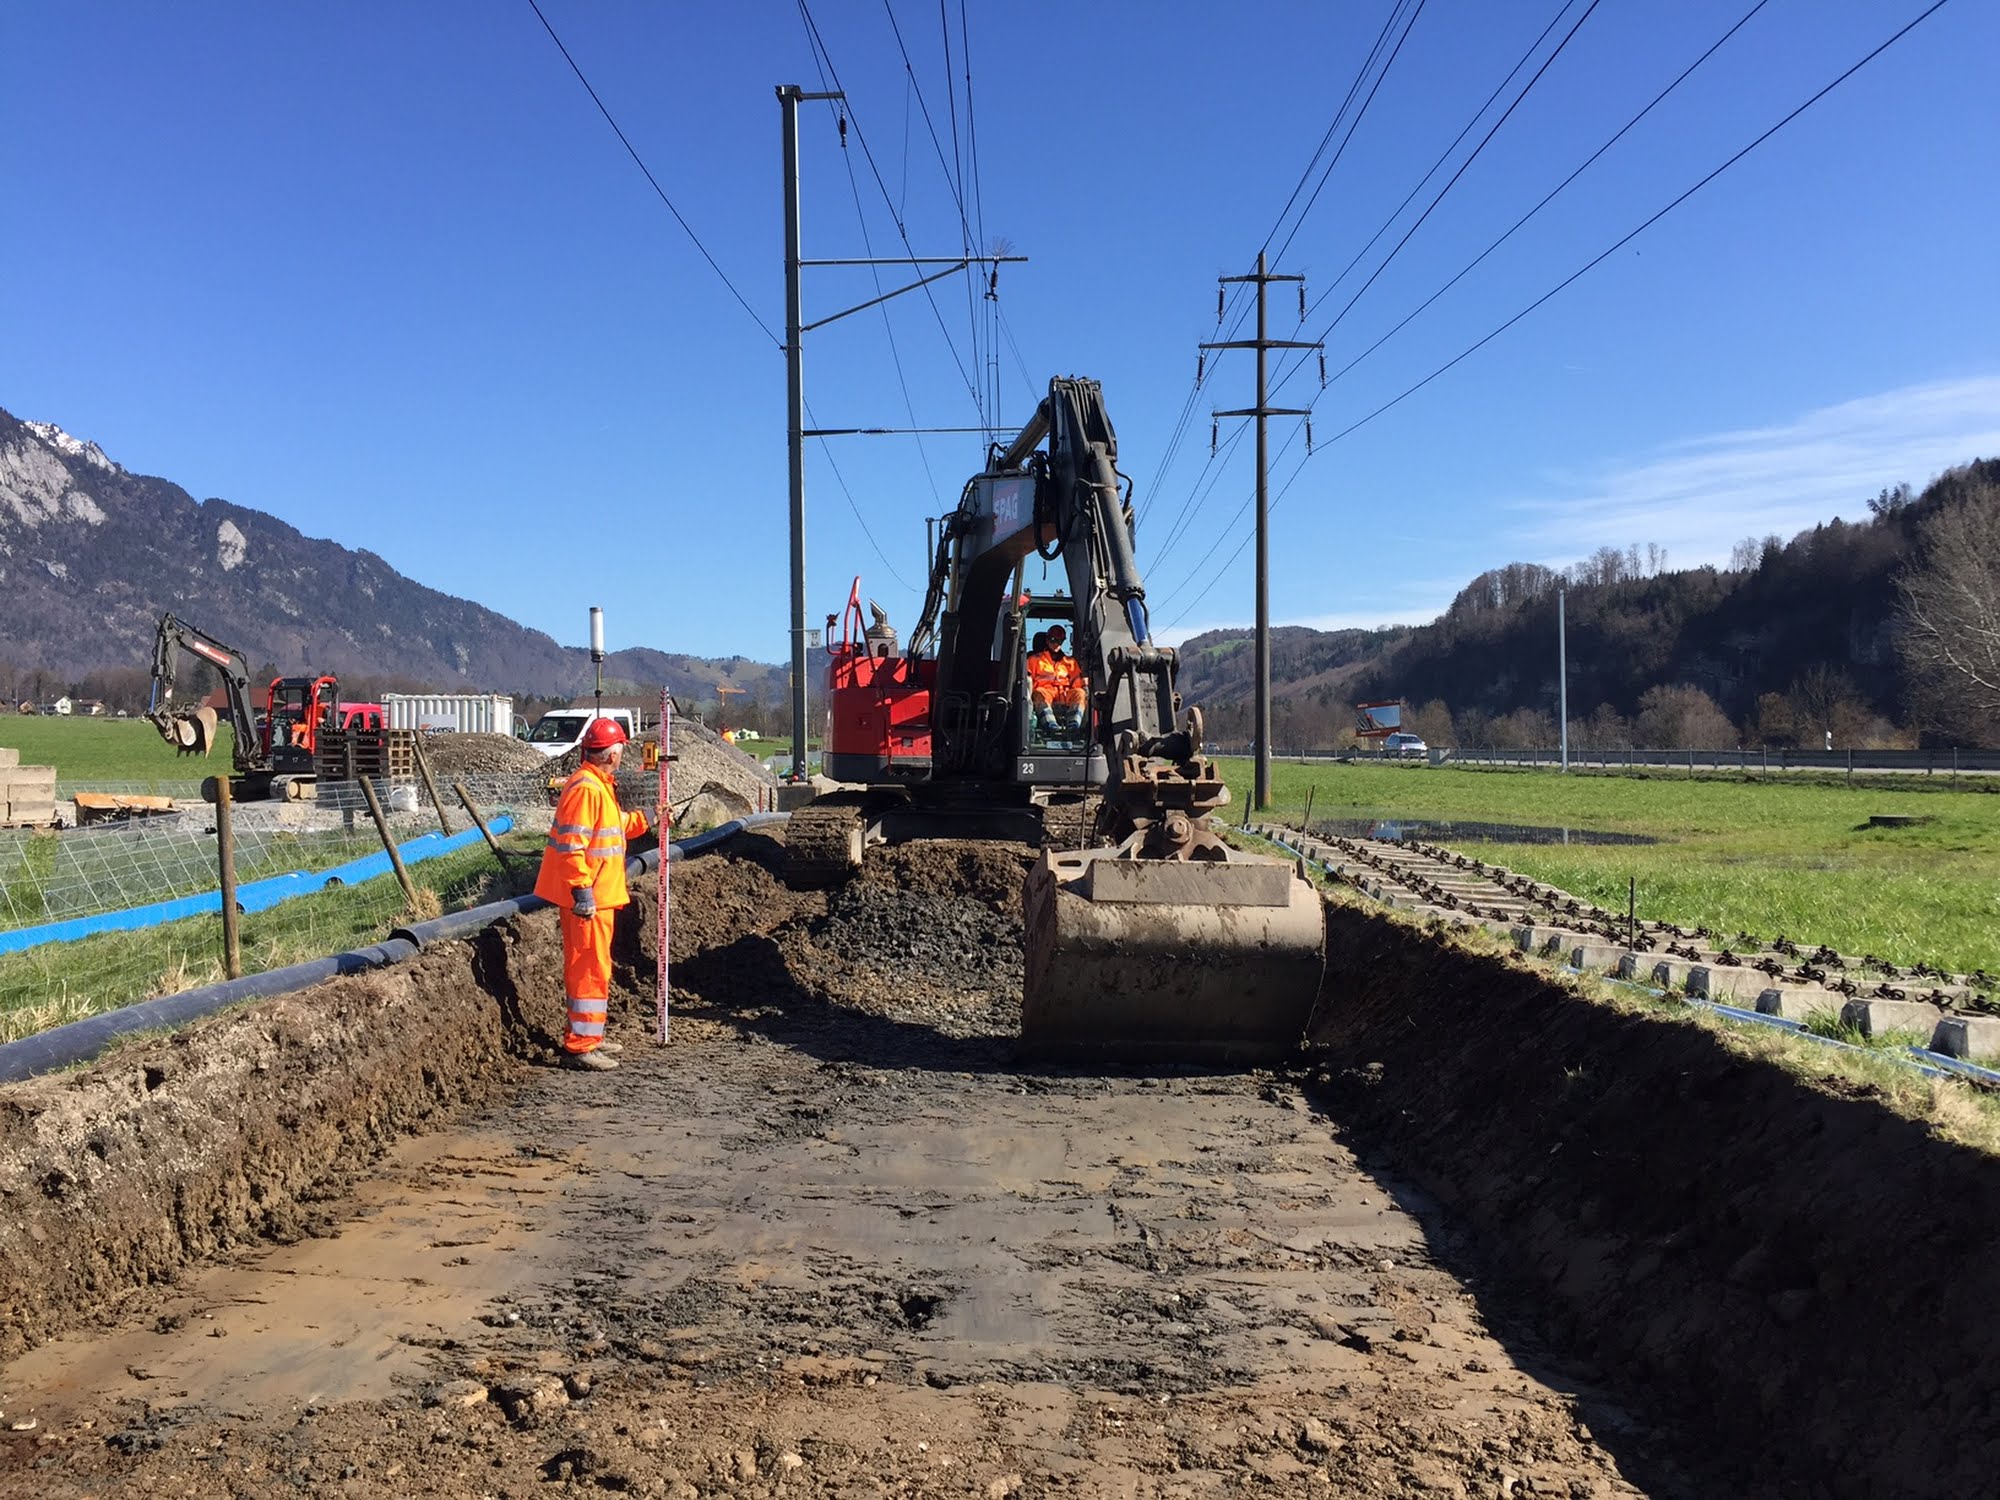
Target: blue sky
(385,272)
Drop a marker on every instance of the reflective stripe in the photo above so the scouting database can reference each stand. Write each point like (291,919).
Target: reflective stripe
(589,1007)
(586,1028)
(567,846)
(604,830)
(603,854)
(556,828)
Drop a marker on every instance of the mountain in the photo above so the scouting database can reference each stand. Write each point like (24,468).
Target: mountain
(92,554)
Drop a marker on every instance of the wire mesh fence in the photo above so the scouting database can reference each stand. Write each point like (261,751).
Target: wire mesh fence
(49,877)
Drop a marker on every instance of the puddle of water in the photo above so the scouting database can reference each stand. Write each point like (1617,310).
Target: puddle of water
(1436,831)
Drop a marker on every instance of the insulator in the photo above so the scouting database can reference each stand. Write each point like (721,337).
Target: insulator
(1302,302)
(843,131)
(1200,368)
(1309,437)
(1218,304)
(1322,369)
(1214,431)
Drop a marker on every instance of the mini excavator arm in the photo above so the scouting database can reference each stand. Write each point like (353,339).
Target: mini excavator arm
(192,731)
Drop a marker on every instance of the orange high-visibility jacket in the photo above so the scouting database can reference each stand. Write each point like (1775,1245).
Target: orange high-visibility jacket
(1054,679)
(587,842)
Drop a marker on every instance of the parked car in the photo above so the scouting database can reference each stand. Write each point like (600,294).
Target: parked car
(1404,747)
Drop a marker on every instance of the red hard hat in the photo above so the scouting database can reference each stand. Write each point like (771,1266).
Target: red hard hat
(603,734)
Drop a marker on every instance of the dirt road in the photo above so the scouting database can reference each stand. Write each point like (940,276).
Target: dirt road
(832,1241)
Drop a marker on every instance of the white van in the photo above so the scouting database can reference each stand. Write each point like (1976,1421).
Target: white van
(558,731)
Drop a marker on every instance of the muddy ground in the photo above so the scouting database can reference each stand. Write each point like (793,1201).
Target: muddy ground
(836,1239)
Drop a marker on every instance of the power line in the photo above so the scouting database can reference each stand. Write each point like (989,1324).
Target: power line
(1551,194)
(1285,376)
(1463,167)
(1593,262)
(888,326)
(1408,26)
(1445,155)
(1171,450)
(849,494)
(1655,218)
(819,43)
(640,163)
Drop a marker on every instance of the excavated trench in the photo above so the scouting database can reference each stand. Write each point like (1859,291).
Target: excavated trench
(1487,1239)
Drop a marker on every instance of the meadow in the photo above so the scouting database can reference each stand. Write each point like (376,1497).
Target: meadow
(126,752)
(1734,854)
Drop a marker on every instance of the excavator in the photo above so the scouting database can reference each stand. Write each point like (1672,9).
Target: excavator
(274,758)
(1157,940)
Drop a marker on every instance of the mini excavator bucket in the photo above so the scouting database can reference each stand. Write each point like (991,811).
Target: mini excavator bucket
(1163,960)
(191,733)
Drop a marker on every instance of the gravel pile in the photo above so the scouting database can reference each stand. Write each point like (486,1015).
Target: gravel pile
(455,755)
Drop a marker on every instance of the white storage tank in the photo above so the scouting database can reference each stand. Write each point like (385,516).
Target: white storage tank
(467,713)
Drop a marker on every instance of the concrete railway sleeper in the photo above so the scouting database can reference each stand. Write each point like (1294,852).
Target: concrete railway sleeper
(1483,1236)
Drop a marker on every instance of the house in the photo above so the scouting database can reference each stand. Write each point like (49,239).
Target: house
(92,707)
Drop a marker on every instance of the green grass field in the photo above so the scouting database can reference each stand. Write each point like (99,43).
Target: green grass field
(62,982)
(125,751)
(1763,857)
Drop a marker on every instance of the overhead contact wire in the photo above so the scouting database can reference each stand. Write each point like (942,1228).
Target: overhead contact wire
(640,162)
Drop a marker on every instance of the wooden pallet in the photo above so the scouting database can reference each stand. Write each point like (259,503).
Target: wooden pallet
(378,754)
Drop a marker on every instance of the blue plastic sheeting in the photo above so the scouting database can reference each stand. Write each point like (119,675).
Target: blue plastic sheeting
(256,895)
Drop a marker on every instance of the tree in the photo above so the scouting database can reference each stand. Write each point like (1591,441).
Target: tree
(1431,723)
(1605,729)
(1683,717)
(1949,622)
(1824,701)
(1524,729)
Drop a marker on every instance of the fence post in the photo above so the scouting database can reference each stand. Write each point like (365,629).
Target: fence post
(1850,768)
(225,855)
(388,843)
(1306,823)
(480,823)
(424,770)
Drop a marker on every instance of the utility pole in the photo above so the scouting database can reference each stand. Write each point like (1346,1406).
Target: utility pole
(1562,676)
(790,96)
(1261,797)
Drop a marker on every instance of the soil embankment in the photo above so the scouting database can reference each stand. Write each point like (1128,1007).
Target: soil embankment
(1799,1277)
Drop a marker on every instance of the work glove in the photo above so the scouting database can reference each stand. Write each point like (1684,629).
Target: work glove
(583,903)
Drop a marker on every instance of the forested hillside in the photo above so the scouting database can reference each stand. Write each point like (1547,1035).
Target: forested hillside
(1792,640)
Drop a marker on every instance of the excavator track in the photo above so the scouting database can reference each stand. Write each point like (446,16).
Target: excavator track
(823,845)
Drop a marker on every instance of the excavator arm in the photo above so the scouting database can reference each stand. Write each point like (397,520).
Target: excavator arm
(1164,943)
(192,731)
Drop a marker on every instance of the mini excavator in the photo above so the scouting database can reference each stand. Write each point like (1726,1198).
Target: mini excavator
(1159,941)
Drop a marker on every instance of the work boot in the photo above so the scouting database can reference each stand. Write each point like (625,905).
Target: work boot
(610,1046)
(593,1061)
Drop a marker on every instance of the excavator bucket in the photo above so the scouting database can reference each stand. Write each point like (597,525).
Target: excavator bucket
(191,733)
(1139,960)
(196,730)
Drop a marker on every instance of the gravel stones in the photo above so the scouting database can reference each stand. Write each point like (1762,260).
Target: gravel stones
(453,756)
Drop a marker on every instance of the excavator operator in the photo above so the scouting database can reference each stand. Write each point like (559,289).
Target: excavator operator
(1056,684)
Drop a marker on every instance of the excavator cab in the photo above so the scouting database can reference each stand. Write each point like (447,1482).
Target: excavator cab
(296,710)
(1054,745)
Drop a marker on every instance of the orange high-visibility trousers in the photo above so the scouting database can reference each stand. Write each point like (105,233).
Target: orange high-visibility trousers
(586,943)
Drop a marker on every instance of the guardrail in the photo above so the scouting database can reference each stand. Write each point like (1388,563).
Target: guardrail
(1909,762)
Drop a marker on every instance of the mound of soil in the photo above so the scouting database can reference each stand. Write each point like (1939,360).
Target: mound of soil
(453,756)
(1797,1274)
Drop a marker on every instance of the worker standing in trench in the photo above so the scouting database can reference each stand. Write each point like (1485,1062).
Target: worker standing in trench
(583,873)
